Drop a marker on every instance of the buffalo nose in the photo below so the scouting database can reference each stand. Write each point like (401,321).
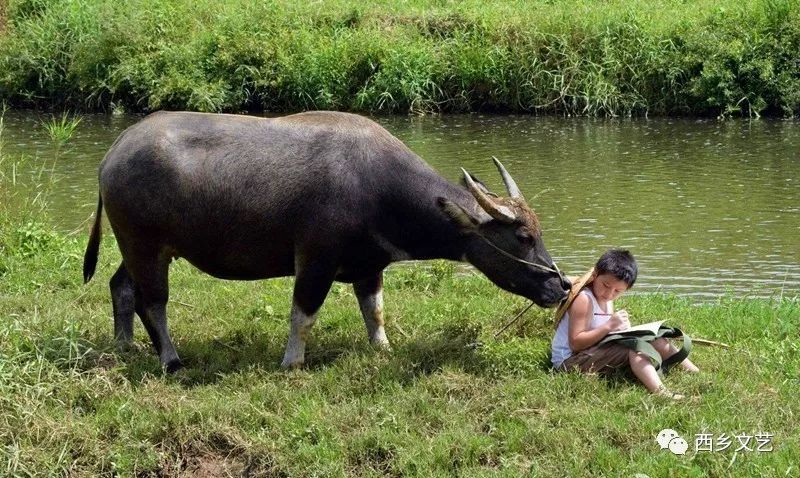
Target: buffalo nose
(565,283)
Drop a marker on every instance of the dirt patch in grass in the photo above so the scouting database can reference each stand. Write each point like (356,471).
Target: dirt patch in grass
(197,463)
(217,460)
(212,465)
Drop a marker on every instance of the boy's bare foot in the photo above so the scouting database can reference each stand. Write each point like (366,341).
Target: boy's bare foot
(662,391)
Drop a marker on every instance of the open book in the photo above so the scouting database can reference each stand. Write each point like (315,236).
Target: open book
(648,327)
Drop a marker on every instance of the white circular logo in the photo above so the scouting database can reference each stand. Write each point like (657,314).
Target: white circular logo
(678,446)
(665,436)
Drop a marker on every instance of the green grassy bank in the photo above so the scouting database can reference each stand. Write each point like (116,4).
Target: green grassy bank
(451,399)
(582,57)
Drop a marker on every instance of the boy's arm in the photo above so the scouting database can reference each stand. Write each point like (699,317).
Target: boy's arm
(580,316)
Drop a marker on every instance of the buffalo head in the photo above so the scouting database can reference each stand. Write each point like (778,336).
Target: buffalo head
(506,244)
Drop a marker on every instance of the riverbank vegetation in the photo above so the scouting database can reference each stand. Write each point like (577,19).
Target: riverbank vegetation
(450,399)
(665,57)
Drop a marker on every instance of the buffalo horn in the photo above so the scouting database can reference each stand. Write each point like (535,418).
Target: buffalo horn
(511,186)
(497,211)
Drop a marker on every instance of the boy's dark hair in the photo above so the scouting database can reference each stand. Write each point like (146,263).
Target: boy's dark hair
(619,263)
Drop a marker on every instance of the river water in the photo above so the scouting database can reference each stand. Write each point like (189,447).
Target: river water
(710,208)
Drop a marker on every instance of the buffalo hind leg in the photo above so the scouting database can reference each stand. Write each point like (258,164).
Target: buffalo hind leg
(312,282)
(126,299)
(369,293)
(123,300)
(150,274)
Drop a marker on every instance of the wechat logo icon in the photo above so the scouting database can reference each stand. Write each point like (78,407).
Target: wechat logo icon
(669,439)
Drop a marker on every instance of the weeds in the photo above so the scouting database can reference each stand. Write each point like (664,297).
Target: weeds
(61,129)
(2,129)
(613,58)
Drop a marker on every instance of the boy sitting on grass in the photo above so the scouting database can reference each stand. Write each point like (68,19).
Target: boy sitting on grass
(591,317)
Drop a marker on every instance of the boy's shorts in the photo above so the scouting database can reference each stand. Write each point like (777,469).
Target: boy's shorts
(599,358)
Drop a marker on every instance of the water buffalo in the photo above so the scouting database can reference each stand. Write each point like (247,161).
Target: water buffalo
(323,196)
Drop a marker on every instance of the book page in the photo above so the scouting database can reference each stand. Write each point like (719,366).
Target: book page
(650,327)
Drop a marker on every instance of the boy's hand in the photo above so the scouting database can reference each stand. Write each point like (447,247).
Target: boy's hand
(619,321)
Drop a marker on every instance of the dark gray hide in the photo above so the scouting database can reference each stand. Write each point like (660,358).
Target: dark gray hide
(322,196)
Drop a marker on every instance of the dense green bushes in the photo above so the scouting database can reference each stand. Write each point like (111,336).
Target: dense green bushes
(565,57)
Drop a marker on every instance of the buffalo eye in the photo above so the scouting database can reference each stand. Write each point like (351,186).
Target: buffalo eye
(524,236)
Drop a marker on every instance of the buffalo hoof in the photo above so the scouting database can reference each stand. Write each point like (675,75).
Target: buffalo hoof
(382,345)
(291,365)
(173,366)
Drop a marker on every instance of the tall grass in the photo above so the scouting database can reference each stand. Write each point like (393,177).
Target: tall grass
(3,14)
(3,110)
(62,128)
(566,57)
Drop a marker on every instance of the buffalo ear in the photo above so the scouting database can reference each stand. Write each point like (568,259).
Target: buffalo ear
(481,185)
(458,214)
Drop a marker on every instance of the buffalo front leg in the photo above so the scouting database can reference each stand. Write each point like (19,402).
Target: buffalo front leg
(311,286)
(369,293)
(123,300)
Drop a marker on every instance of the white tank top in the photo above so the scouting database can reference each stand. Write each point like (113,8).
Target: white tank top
(560,347)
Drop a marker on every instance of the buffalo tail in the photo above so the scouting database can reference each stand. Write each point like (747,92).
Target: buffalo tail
(90,257)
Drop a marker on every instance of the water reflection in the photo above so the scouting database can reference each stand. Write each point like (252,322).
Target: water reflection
(708,207)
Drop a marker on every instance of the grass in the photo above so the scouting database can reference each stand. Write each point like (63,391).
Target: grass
(61,129)
(666,57)
(449,400)
(3,20)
